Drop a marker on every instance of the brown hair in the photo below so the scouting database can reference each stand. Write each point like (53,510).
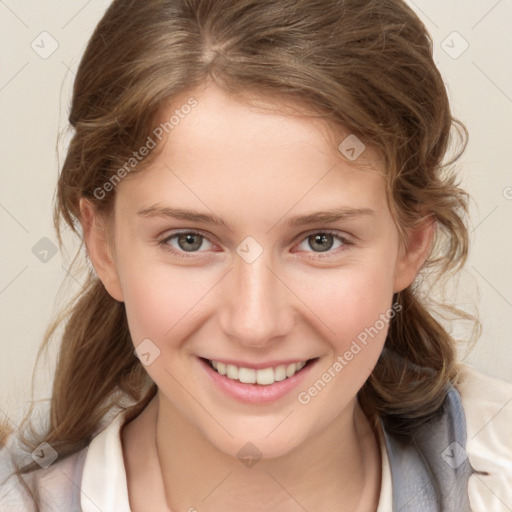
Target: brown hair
(365,66)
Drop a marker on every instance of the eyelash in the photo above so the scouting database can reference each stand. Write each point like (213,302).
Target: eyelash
(183,254)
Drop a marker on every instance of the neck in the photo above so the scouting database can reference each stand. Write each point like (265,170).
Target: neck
(337,469)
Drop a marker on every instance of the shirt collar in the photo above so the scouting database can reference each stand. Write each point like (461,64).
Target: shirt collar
(104,485)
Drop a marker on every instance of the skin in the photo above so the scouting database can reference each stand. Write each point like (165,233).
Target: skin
(256,168)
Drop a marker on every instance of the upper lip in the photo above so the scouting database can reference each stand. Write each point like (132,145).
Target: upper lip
(258,366)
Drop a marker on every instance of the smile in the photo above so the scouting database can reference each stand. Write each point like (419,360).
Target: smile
(264,376)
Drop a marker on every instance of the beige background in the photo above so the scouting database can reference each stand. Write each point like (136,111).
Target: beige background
(34,96)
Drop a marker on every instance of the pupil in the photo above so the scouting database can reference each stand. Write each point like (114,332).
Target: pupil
(189,242)
(324,240)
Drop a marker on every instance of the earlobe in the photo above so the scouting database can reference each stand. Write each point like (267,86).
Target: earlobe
(99,249)
(412,257)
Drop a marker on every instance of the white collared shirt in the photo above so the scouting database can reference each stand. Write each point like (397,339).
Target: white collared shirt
(104,463)
(103,487)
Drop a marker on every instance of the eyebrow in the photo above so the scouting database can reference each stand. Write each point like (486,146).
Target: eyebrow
(337,214)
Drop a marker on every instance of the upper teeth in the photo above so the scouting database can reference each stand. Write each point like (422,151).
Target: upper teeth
(265,376)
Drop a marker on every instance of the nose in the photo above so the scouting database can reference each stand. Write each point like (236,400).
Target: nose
(258,307)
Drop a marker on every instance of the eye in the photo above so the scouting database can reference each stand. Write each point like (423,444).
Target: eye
(324,241)
(185,242)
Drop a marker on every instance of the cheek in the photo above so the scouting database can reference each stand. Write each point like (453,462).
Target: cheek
(357,309)
(161,301)
(355,305)
(352,298)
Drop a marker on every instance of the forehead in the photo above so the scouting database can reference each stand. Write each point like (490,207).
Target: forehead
(251,152)
(246,118)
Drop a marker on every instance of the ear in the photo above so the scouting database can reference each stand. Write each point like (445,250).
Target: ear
(413,254)
(99,248)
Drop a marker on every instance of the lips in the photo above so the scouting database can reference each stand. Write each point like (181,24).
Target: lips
(269,390)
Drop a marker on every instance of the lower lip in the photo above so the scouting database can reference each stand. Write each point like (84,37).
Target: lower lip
(257,393)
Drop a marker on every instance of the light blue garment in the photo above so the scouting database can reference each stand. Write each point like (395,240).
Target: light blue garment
(430,470)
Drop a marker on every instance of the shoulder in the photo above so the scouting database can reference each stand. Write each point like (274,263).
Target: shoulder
(487,404)
(74,483)
(56,483)
(13,495)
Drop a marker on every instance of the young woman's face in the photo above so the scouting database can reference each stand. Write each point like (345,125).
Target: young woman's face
(251,240)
